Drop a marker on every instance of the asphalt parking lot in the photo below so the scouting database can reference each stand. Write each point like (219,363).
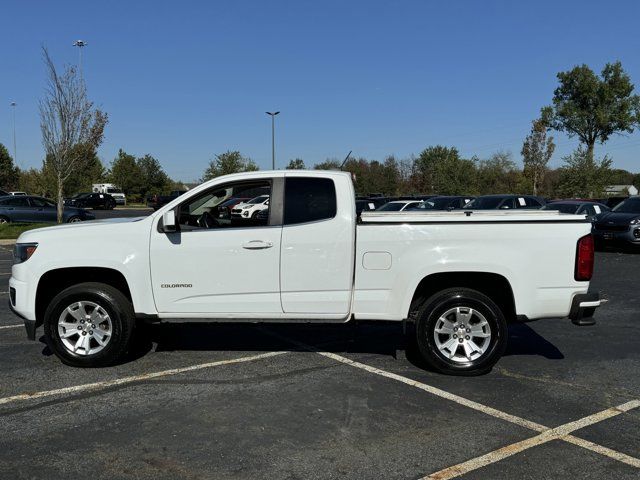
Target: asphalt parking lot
(348,401)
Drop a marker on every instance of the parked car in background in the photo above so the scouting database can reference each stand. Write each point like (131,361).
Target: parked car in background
(610,201)
(505,202)
(621,225)
(102,201)
(250,208)
(158,201)
(224,209)
(3,193)
(398,205)
(32,209)
(18,193)
(364,206)
(444,202)
(577,207)
(112,190)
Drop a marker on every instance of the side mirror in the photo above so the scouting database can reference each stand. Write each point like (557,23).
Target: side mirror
(169,222)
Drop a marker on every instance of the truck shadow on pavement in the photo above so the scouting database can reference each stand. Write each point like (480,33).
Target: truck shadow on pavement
(376,338)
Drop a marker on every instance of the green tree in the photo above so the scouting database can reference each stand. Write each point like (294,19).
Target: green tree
(328,164)
(583,176)
(296,164)
(621,177)
(593,108)
(81,180)
(498,174)
(227,163)
(154,179)
(126,173)
(536,153)
(33,182)
(9,173)
(442,171)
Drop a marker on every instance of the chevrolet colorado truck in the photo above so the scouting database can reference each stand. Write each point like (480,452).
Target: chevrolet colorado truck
(458,276)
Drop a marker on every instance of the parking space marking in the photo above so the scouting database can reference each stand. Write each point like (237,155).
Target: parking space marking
(557,433)
(11,326)
(8,273)
(594,447)
(134,378)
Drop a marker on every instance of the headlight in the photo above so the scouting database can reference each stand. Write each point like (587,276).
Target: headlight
(23,251)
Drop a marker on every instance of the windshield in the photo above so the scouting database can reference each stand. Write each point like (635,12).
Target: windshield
(114,190)
(391,207)
(435,204)
(259,199)
(630,205)
(562,207)
(484,203)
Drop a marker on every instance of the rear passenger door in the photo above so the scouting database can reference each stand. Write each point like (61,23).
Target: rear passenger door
(318,242)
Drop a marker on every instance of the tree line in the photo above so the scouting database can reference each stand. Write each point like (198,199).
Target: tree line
(585,105)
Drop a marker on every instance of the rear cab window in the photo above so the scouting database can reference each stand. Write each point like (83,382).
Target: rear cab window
(309,199)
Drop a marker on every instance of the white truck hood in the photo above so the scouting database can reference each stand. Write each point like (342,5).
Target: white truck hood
(67,229)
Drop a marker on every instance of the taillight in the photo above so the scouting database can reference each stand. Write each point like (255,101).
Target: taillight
(584,259)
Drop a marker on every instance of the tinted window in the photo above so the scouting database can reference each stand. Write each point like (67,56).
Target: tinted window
(485,203)
(562,207)
(41,202)
(532,202)
(309,200)
(391,207)
(630,205)
(16,202)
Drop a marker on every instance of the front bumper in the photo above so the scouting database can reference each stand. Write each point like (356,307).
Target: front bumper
(630,236)
(29,325)
(583,306)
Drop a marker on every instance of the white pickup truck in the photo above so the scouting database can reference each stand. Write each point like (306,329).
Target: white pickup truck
(458,276)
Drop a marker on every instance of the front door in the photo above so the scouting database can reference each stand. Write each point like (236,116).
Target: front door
(211,268)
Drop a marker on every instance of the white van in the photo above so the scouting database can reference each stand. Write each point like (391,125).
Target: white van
(112,190)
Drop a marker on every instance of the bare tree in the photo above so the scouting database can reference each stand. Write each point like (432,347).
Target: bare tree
(536,152)
(71,127)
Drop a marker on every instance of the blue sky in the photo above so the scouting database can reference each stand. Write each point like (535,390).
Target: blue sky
(185,80)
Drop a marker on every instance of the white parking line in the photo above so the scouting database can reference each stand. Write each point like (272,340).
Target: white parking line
(594,447)
(11,326)
(557,433)
(133,378)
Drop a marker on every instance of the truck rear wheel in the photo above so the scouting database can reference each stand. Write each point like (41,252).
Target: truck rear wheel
(460,331)
(89,325)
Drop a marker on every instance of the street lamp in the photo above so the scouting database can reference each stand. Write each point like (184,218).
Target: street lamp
(273,138)
(80,44)
(13,107)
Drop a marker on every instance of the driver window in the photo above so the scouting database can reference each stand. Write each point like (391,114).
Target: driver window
(243,204)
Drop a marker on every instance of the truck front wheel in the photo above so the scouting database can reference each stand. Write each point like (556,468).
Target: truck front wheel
(89,325)
(461,331)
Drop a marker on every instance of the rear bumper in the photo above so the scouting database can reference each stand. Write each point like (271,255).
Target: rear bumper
(583,307)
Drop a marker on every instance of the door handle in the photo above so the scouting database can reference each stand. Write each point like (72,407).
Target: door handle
(257,245)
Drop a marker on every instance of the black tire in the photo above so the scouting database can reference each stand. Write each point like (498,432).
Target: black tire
(428,317)
(74,219)
(254,215)
(110,299)
(4,219)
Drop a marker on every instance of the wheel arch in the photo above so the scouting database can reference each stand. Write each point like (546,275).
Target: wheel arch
(495,286)
(54,281)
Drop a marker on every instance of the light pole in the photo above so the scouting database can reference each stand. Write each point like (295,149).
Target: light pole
(80,44)
(15,156)
(273,138)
